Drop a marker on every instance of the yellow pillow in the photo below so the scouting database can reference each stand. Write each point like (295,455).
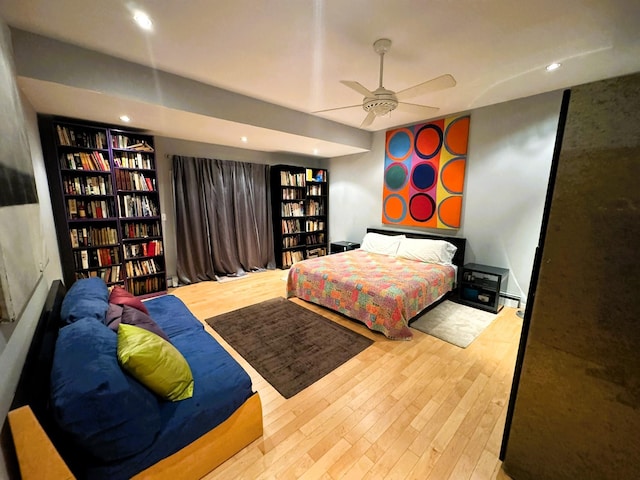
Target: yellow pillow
(154,362)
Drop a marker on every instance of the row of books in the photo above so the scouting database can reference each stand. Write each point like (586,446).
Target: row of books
(292,241)
(314,190)
(146,285)
(127,180)
(130,143)
(316,252)
(140,230)
(145,249)
(291,256)
(292,194)
(98,185)
(315,208)
(292,179)
(97,257)
(76,137)
(291,226)
(133,160)
(138,206)
(138,268)
(84,161)
(89,209)
(315,238)
(314,225)
(109,274)
(293,209)
(90,236)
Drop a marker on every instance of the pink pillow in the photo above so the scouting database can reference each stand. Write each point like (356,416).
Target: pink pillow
(120,296)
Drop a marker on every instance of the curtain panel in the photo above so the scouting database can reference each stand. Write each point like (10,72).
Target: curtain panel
(223,218)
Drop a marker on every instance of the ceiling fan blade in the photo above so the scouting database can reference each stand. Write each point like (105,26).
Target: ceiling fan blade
(433,85)
(358,88)
(337,108)
(421,109)
(368,120)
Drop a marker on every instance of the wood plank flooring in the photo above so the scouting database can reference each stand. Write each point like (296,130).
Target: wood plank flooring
(422,409)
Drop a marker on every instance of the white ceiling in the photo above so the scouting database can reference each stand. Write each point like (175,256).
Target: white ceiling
(293,53)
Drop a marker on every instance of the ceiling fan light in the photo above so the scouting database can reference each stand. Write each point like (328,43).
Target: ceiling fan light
(380,110)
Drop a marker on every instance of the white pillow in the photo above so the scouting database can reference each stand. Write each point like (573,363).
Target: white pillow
(425,250)
(383,244)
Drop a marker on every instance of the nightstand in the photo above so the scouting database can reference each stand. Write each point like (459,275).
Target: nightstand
(337,247)
(481,285)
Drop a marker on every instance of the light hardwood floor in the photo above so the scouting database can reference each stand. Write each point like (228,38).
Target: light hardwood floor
(422,409)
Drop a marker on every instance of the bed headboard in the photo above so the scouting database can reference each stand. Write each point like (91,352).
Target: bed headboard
(459,242)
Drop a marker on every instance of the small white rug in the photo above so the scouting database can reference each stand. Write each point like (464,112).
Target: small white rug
(454,323)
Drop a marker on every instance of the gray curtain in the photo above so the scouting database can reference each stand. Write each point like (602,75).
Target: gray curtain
(223,218)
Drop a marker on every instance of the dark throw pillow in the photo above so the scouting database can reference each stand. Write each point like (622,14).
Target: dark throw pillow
(118,314)
(120,296)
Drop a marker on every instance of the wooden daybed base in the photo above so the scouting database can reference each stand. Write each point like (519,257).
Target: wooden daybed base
(39,460)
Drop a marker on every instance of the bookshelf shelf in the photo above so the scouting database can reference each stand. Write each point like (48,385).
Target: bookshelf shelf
(106,205)
(299,202)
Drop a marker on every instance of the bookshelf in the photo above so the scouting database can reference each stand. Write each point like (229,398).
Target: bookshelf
(104,194)
(299,199)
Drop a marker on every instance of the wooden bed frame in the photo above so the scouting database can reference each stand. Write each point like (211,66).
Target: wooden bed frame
(38,444)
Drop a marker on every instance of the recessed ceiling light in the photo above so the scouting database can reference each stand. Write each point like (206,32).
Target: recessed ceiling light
(315,151)
(143,20)
(244,139)
(125,118)
(553,66)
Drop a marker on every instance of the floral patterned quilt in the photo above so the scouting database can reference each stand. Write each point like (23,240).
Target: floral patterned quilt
(381,291)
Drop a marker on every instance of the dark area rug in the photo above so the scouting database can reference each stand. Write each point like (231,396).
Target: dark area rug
(289,345)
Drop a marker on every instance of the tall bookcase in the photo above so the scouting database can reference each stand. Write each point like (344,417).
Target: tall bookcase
(299,198)
(104,193)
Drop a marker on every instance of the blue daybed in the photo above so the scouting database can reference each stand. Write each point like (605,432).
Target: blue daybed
(107,425)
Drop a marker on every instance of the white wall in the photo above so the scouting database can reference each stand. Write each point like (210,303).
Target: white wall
(509,158)
(16,337)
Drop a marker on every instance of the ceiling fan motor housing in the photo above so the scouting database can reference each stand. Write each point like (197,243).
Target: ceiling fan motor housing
(384,102)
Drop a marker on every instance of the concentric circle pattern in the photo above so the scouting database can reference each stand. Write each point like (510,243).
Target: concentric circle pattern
(424,173)
(449,211)
(423,176)
(399,144)
(428,141)
(452,175)
(456,136)
(396,175)
(394,208)
(422,207)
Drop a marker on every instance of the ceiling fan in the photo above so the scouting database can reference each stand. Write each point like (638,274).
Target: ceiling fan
(382,101)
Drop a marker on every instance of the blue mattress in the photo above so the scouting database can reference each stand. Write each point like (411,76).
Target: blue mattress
(220,386)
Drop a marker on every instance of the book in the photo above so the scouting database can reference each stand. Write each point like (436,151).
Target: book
(84,256)
(73,208)
(74,238)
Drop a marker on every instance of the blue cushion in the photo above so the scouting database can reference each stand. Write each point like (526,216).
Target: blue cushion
(87,298)
(220,386)
(172,315)
(106,412)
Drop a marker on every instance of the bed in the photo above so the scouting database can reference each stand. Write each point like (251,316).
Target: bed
(374,285)
(77,414)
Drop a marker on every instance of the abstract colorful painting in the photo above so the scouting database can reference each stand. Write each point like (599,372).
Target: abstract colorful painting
(424,169)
